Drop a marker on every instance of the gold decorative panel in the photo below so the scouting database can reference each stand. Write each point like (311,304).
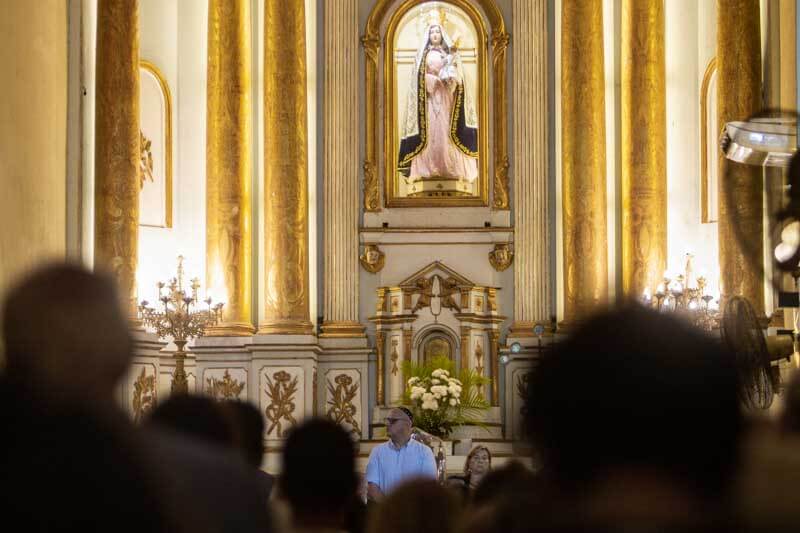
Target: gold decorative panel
(142,390)
(225,383)
(343,399)
(282,399)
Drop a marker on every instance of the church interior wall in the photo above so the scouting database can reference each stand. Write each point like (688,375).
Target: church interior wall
(690,35)
(173,37)
(690,44)
(33,127)
(405,256)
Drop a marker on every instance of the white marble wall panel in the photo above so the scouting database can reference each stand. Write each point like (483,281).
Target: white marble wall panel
(516,379)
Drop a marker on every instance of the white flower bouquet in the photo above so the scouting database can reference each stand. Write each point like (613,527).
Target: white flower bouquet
(442,398)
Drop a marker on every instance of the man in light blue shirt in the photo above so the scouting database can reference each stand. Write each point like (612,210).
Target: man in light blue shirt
(399,459)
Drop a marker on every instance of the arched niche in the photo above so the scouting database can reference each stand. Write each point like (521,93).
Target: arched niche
(375,33)
(436,338)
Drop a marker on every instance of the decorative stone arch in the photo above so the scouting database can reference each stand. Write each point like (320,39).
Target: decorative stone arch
(430,332)
(372,39)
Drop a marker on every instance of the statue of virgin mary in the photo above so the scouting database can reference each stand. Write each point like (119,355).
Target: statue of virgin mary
(440,131)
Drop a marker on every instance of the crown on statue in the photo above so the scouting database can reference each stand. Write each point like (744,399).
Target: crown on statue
(436,16)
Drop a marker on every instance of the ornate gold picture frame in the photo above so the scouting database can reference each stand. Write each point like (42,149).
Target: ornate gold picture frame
(708,145)
(155,117)
(497,159)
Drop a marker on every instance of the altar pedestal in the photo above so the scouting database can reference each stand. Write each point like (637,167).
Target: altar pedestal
(439,187)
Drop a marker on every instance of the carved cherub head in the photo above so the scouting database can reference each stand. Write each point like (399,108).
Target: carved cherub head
(501,256)
(372,259)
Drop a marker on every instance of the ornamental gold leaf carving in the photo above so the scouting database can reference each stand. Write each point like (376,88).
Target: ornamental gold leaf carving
(226,388)
(341,409)
(145,160)
(144,395)
(281,409)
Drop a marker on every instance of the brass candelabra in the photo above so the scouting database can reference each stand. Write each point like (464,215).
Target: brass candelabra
(687,296)
(180,319)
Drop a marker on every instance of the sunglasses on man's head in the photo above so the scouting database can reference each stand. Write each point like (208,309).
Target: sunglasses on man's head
(390,420)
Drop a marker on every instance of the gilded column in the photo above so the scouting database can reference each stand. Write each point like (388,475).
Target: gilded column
(396,369)
(643,135)
(532,276)
(228,167)
(466,352)
(741,247)
(494,337)
(117,155)
(285,170)
(341,175)
(583,153)
(380,344)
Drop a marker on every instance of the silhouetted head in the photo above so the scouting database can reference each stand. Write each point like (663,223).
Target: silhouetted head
(790,416)
(66,335)
(635,389)
(511,479)
(319,472)
(421,505)
(248,429)
(197,417)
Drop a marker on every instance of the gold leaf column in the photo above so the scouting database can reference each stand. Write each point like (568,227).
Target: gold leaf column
(228,167)
(380,346)
(117,145)
(285,170)
(643,135)
(583,153)
(341,175)
(494,337)
(740,186)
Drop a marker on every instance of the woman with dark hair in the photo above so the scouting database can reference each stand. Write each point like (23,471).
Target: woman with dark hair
(477,465)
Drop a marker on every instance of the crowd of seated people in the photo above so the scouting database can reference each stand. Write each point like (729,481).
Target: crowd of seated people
(635,419)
